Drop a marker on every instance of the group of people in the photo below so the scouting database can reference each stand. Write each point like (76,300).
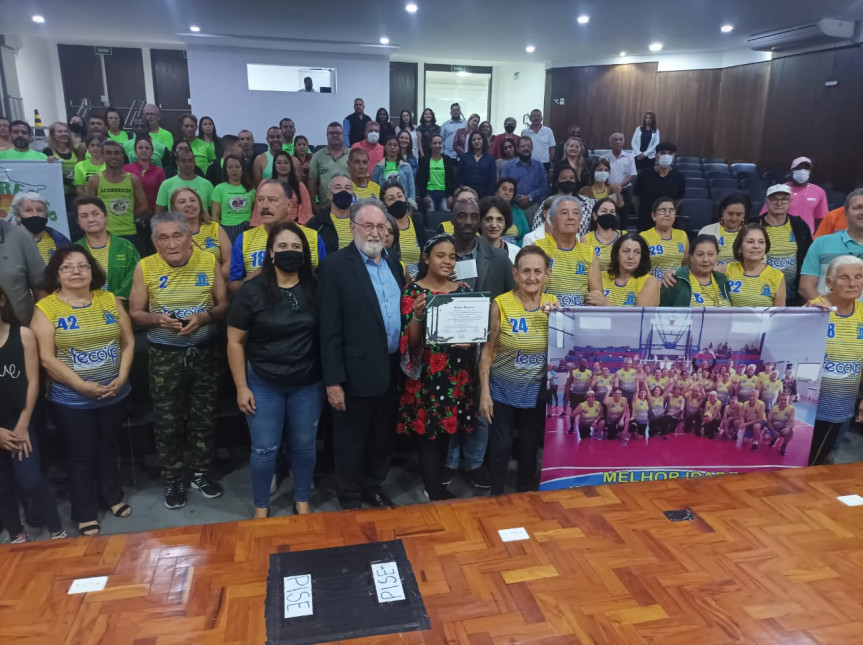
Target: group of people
(311,278)
(642,400)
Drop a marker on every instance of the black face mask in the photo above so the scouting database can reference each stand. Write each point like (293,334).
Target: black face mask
(343,199)
(509,128)
(34,224)
(288,261)
(77,128)
(607,220)
(398,209)
(566,186)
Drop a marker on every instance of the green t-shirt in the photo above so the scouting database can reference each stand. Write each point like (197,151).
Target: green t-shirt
(158,151)
(27,155)
(121,138)
(437,175)
(200,185)
(84,170)
(236,203)
(164,137)
(204,153)
(288,147)
(391,168)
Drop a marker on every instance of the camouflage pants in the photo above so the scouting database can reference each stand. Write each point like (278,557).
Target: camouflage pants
(184,388)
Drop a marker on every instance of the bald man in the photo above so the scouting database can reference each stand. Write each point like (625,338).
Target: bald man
(160,134)
(623,170)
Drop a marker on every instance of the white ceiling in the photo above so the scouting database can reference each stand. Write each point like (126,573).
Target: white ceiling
(469,30)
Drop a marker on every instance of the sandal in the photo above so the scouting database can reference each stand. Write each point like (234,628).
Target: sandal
(119,512)
(90,528)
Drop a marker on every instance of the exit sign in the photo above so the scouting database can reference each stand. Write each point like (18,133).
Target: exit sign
(105,51)
(458,68)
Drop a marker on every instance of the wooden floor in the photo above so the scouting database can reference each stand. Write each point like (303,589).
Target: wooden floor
(772,558)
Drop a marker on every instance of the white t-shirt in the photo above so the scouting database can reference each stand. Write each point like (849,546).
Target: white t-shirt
(542,141)
(621,167)
(531,238)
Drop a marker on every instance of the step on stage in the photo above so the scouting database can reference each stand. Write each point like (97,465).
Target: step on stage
(770,558)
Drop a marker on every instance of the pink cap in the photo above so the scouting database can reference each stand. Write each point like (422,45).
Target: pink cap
(799,161)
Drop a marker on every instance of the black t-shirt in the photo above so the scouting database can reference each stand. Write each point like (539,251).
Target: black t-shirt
(13,379)
(649,187)
(282,345)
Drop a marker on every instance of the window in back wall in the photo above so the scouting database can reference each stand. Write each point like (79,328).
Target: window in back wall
(289,78)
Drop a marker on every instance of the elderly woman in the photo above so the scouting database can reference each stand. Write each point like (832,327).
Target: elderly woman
(30,210)
(628,282)
(731,213)
(839,384)
(699,284)
(86,347)
(207,234)
(751,281)
(669,246)
(411,232)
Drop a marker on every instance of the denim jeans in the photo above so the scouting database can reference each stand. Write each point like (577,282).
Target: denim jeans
(289,412)
(438,198)
(26,476)
(468,448)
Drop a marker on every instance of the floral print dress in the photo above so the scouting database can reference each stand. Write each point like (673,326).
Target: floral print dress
(439,397)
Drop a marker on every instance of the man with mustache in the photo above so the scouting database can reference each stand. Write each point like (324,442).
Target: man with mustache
(21,134)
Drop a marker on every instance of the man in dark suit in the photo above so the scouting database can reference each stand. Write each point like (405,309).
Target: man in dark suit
(359,293)
(483,268)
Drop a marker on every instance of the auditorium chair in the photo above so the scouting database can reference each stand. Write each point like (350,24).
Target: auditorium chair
(715,167)
(740,176)
(775,177)
(756,207)
(695,174)
(695,182)
(710,160)
(826,186)
(743,167)
(835,199)
(689,160)
(688,166)
(718,194)
(722,182)
(435,218)
(718,174)
(695,193)
(696,214)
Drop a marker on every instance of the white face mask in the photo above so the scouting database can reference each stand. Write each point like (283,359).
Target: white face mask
(666,160)
(373,137)
(800,176)
(601,176)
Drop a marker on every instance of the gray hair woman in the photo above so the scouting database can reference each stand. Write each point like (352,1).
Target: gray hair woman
(31,210)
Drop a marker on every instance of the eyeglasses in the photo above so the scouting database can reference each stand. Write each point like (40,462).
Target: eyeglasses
(72,268)
(368,228)
(666,211)
(779,200)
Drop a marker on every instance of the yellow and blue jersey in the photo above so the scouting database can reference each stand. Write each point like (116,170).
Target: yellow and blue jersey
(781,416)
(783,250)
(580,381)
(568,279)
(625,295)
(627,379)
(600,249)
(46,247)
(616,408)
(665,254)
(603,384)
(726,239)
(722,390)
(641,410)
(183,291)
(746,384)
(207,239)
(711,410)
(706,295)
(250,247)
(518,366)
(86,340)
(589,413)
(840,374)
(752,290)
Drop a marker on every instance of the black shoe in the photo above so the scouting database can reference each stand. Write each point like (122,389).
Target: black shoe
(479,477)
(175,494)
(775,441)
(201,481)
(784,450)
(447,476)
(379,500)
(754,446)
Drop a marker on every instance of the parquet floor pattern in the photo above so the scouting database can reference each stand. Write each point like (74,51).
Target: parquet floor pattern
(772,558)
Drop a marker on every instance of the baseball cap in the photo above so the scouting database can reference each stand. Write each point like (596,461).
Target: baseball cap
(591,392)
(779,188)
(800,160)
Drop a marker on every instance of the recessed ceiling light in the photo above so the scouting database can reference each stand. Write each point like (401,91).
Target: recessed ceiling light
(530,49)
(623,53)
(410,7)
(655,47)
(385,40)
(583,20)
(39,19)
(726,28)
(194,28)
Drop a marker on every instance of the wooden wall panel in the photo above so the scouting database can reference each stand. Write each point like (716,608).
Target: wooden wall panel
(740,112)
(686,105)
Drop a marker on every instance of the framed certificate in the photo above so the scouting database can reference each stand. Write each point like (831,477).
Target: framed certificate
(453,318)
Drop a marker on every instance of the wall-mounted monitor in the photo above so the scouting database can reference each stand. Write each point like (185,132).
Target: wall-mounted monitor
(291,78)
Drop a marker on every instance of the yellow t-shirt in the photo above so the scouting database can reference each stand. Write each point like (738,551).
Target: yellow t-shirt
(46,247)
(408,243)
(781,417)
(343,229)
(568,279)
(616,408)
(601,250)
(752,290)
(207,239)
(102,255)
(706,295)
(590,412)
(623,295)
(783,250)
(627,378)
(641,410)
(726,242)
(665,254)
(580,381)
(603,384)
(371,190)
(711,410)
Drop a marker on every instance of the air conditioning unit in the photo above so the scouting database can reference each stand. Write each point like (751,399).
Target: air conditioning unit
(826,31)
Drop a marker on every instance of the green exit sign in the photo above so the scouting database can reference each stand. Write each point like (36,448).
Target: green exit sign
(105,51)
(458,68)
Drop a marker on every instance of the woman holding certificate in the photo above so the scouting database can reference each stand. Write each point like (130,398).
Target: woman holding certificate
(512,370)
(438,399)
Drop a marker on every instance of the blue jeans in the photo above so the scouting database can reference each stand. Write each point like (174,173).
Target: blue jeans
(468,448)
(438,198)
(26,476)
(294,410)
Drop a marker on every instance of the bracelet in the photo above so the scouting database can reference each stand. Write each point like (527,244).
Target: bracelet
(419,320)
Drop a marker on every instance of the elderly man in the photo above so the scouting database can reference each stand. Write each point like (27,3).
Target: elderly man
(273,203)
(177,295)
(808,201)
(326,163)
(790,240)
(187,177)
(542,137)
(21,135)
(160,134)
(448,129)
(141,130)
(530,177)
(354,125)
(117,256)
(334,224)
(21,270)
(359,292)
(483,268)
(263,168)
(622,163)
(30,210)
(370,144)
(358,165)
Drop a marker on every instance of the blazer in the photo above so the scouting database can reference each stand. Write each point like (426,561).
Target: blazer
(354,351)
(493,269)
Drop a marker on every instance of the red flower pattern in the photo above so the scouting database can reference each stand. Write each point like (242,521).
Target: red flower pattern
(437,363)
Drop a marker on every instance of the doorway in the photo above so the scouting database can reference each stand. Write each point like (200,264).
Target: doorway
(467,85)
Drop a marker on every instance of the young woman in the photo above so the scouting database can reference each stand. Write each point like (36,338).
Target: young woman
(79,318)
(60,143)
(731,213)
(573,158)
(232,200)
(669,246)
(302,154)
(151,175)
(751,282)
(628,282)
(476,167)
(439,398)
(512,400)
(459,142)
(207,134)
(77,134)
(207,234)
(88,167)
(274,355)
(393,167)
(19,450)
(406,152)
(285,171)
(436,177)
(644,141)
(406,124)
(383,120)
(115,125)
(699,284)
(427,128)
(600,188)
(603,230)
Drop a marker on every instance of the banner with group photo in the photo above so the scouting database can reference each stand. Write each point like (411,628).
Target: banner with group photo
(38,177)
(646,394)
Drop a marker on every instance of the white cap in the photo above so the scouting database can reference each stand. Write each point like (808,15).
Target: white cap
(779,188)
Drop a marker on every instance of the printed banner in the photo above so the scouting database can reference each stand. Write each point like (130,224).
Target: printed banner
(38,177)
(646,394)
